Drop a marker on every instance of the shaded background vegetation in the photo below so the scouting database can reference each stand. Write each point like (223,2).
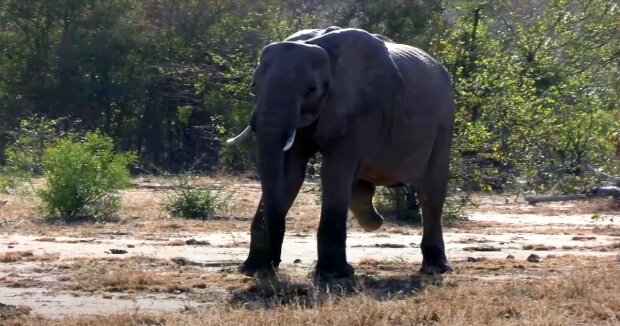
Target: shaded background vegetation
(537,81)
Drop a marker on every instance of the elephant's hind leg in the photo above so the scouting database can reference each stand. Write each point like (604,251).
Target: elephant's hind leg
(434,259)
(361,206)
(432,196)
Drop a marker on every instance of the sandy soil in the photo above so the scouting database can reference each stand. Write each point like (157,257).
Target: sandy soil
(81,270)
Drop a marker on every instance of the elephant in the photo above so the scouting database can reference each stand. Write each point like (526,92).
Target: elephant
(380,113)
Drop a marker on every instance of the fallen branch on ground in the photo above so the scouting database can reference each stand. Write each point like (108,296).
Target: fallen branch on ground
(609,191)
(600,191)
(533,200)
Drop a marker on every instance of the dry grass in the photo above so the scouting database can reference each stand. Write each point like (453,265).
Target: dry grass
(472,240)
(142,211)
(584,293)
(145,275)
(131,275)
(9,311)
(140,203)
(583,238)
(538,247)
(18,207)
(176,242)
(506,204)
(612,246)
(556,291)
(17,256)
(607,230)
(17,282)
(484,228)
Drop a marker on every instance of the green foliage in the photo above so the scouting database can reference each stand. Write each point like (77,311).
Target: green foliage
(454,208)
(407,21)
(400,202)
(83,177)
(536,81)
(26,151)
(24,154)
(534,93)
(6,183)
(189,202)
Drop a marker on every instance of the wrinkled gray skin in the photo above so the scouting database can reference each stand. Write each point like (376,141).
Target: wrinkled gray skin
(380,113)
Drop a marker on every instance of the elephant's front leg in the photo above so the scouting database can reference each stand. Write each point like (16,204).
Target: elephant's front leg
(267,232)
(337,176)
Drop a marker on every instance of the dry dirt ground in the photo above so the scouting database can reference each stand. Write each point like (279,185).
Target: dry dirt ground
(515,264)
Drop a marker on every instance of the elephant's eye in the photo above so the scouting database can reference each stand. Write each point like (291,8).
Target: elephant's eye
(309,91)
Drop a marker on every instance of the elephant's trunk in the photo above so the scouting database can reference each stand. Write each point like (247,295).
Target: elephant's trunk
(271,140)
(271,161)
(274,137)
(275,121)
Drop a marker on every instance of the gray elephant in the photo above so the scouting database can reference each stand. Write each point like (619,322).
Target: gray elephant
(380,113)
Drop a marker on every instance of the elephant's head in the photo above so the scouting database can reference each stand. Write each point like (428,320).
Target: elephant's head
(291,84)
(332,79)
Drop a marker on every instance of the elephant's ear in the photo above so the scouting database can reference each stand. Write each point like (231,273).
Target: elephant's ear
(364,78)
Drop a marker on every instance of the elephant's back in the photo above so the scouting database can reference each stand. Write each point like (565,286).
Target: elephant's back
(417,66)
(427,85)
(406,54)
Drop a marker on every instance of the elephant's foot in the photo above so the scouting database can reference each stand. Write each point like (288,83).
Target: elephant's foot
(264,256)
(329,273)
(369,221)
(435,268)
(259,268)
(434,261)
(362,208)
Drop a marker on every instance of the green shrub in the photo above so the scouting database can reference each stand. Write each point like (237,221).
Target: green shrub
(399,202)
(189,202)
(402,203)
(83,177)
(454,208)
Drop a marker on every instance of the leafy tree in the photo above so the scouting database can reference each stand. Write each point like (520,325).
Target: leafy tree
(536,80)
(531,102)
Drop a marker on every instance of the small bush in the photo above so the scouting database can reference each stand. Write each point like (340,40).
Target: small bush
(400,202)
(454,208)
(83,177)
(189,202)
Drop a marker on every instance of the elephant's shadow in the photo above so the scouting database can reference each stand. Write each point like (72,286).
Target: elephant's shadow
(270,294)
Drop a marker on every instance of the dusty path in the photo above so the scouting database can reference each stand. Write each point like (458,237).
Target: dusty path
(551,234)
(44,282)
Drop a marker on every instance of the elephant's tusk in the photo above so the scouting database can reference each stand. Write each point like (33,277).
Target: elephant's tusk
(290,141)
(240,136)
